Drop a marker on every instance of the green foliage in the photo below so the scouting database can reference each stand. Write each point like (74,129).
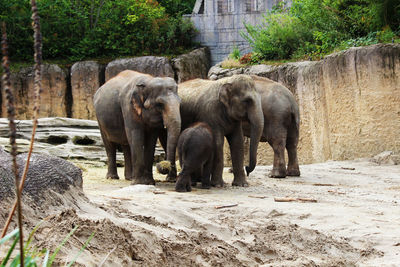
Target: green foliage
(279,39)
(177,8)
(79,29)
(31,256)
(235,53)
(317,27)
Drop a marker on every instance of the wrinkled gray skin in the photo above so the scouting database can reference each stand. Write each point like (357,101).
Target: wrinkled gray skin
(196,153)
(46,173)
(131,109)
(223,104)
(281,125)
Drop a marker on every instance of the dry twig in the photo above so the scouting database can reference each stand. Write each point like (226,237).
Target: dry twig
(37,89)
(226,206)
(299,199)
(260,197)
(13,134)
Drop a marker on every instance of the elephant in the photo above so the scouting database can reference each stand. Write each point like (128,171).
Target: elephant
(223,104)
(281,125)
(131,109)
(196,153)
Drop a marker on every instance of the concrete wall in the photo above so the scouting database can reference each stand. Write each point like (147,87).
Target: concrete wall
(349,102)
(220,22)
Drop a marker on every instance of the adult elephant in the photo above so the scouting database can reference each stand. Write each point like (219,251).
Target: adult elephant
(223,105)
(281,125)
(131,109)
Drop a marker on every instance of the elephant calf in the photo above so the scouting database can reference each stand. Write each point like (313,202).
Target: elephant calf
(281,125)
(196,153)
(131,109)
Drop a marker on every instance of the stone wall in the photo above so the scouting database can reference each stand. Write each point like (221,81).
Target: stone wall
(69,92)
(54,98)
(349,102)
(219,23)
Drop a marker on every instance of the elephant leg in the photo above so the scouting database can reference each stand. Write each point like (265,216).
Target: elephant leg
(235,140)
(149,148)
(291,147)
(205,177)
(128,162)
(278,143)
(218,163)
(111,151)
(136,140)
(184,181)
(162,136)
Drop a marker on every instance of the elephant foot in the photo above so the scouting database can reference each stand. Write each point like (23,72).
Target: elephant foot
(181,187)
(112,176)
(277,174)
(205,186)
(293,172)
(240,182)
(146,181)
(219,183)
(129,178)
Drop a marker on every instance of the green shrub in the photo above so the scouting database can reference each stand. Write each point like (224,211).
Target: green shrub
(235,53)
(76,29)
(278,37)
(312,28)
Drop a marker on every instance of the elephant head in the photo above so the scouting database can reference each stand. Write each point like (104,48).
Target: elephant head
(243,103)
(156,104)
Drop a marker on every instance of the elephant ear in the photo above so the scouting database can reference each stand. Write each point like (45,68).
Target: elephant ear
(225,93)
(137,98)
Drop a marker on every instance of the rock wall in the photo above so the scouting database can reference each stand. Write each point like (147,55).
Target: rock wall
(86,78)
(69,92)
(54,98)
(349,102)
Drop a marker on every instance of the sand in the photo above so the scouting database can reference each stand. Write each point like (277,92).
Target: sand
(355,220)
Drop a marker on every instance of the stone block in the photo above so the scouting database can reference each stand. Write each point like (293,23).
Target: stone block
(86,78)
(156,66)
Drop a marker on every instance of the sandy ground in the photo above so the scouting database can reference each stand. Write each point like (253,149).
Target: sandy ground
(355,220)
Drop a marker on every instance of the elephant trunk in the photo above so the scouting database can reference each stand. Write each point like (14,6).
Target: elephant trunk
(172,121)
(256,118)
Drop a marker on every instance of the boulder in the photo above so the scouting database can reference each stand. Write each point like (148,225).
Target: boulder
(156,66)
(45,173)
(86,78)
(192,65)
(54,96)
(386,158)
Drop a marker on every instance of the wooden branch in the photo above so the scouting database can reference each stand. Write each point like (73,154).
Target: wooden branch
(226,206)
(299,199)
(260,197)
(13,134)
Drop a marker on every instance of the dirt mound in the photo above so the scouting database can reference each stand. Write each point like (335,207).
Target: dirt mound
(144,241)
(355,205)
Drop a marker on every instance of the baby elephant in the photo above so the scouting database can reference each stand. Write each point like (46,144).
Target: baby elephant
(196,152)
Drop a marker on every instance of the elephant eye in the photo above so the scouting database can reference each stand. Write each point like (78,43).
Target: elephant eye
(247,100)
(159,105)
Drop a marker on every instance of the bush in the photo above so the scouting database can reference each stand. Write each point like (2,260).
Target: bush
(314,27)
(235,53)
(278,36)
